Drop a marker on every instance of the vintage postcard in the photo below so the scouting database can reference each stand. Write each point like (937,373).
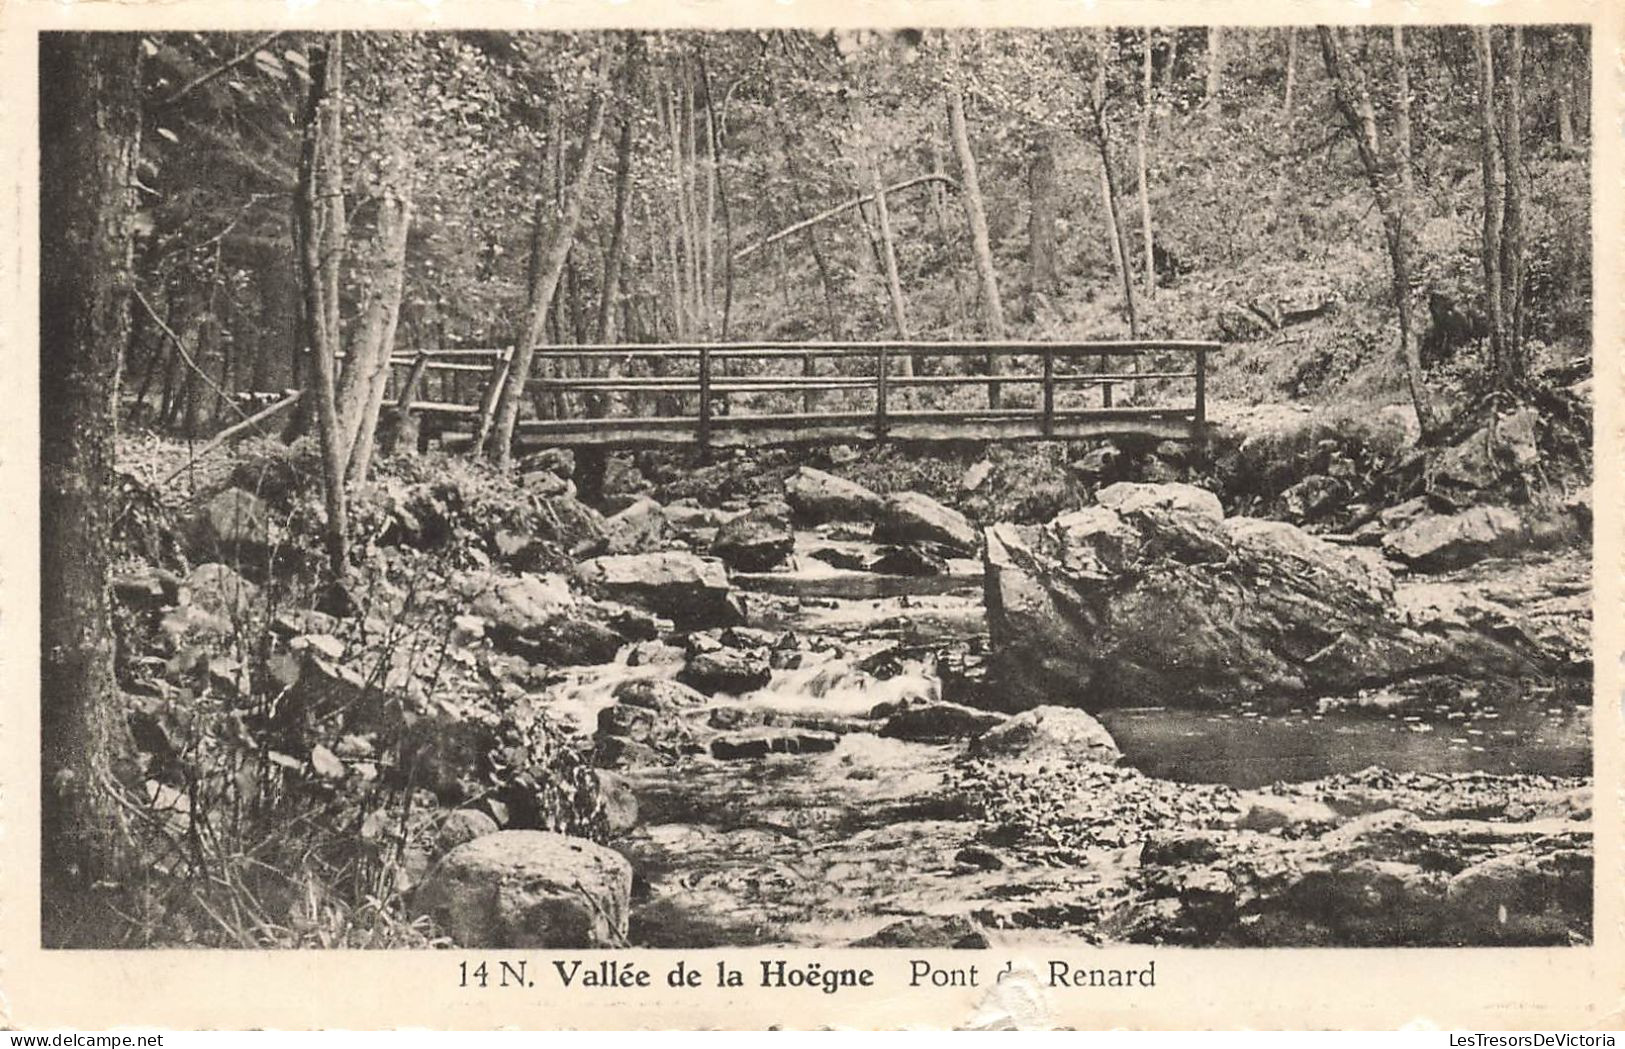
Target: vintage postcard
(735,515)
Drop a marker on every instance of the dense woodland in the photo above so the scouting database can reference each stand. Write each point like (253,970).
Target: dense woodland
(1363,215)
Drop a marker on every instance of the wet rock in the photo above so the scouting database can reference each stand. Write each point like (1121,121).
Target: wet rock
(908,561)
(571,525)
(930,931)
(640,528)
(816,496)
(639,724)
(654,693)
(848,560)
(909,517)
(619,803)
(618,752)
(634,624)
(757,541)
(1434,542)
(1097,464)
(561,642)
(760,742)
(691,591)
(463,826)
(1313,496)
(1280,811)
(234,526)
(1051,733)
(529,889)
(727,670)
(938,723)
(979,858)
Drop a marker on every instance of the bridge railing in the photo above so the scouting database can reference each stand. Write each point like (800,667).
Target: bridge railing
(696,386)
(721,392)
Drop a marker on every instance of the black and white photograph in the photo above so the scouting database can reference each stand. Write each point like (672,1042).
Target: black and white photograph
(911,488)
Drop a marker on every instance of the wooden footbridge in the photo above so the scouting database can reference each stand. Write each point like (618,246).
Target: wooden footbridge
(775,393)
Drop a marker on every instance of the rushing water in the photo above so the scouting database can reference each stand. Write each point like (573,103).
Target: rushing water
(822,849)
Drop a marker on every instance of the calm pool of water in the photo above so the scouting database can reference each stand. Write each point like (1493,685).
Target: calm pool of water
(1247,750)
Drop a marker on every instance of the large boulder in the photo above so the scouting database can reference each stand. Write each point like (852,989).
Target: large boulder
(521,889)
(691,591)
(1131,603)
(910,517)
(1049,733)
(639,528)
(756,541)
(817,496)
(235,526)
(519,603)
(1502,449)
(938,723)
(727,670)
(1435,542)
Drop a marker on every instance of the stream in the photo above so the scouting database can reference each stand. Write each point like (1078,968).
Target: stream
(824,849)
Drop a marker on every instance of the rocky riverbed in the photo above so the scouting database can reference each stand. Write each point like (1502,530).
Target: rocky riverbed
(821,716)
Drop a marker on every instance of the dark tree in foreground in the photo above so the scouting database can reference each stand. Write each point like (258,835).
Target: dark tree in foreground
(90,128)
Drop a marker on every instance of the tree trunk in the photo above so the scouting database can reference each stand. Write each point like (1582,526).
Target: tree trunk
(1108,190)
(545,278)
(1215,63)
(1146,243)
(1494,192)
(1563,93)
(719,185)
(1354,102)
(1512,224)
(1402,118)
(1169,82)
(1291,70)
(888,253)
(971,197)
(1042,193)
(318,233)
(90,133)
(623,190)
(373,341)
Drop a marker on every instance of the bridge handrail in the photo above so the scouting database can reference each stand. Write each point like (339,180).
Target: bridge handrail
(708,385)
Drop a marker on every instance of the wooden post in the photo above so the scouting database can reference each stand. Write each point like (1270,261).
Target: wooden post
(881,368)
(808,397)
(1201,390)
(409,388)
(488,401)
(705,400)
(1049,392)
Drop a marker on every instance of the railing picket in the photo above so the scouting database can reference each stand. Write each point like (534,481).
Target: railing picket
(705,397)
(1049,393)
(1201,390)
(881,369)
